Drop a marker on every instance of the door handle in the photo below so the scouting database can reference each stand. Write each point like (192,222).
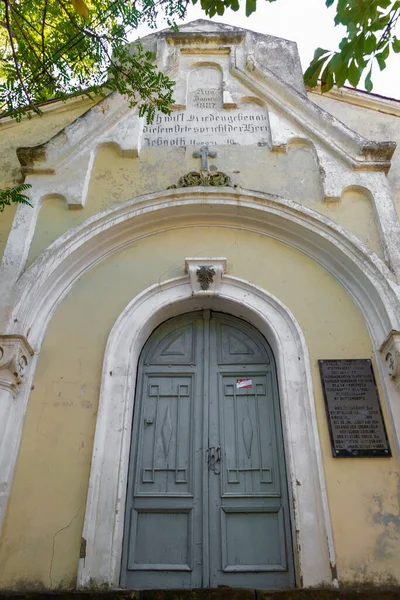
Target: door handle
(213,458)
(217,462)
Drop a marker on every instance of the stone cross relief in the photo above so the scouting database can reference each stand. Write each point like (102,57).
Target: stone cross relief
(204,153)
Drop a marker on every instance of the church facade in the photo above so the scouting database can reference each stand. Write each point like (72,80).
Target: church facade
(200,332)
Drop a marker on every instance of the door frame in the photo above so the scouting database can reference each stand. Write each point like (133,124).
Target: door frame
(313,545)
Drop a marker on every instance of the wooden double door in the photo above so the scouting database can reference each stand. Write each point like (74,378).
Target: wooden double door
(207,499)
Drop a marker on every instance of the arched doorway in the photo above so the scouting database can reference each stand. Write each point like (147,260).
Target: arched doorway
(207,502)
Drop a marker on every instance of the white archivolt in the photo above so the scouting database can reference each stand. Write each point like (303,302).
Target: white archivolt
(35,297)
(104,520)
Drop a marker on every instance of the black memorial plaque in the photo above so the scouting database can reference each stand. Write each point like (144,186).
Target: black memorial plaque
(353,409)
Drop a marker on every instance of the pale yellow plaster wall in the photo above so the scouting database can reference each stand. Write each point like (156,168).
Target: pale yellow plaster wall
(374,124)
(30,132)
(45,514)
(33,132)
(293,175)
(6,221)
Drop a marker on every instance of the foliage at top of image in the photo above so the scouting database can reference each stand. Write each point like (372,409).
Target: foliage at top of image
(371,37)
(57,48)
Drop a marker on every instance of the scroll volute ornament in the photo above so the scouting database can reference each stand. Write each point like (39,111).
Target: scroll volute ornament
(390,350)
(15,354)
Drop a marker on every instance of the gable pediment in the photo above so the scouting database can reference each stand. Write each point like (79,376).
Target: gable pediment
(231,89)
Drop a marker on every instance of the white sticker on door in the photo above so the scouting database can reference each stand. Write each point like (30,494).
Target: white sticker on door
(243,383)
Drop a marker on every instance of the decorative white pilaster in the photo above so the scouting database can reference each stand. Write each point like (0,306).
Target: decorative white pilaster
(17,248)
(15,355)
(205,275)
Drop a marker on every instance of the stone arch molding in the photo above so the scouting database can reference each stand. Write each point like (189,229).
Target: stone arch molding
(35,297)
(103,527)
(365,277)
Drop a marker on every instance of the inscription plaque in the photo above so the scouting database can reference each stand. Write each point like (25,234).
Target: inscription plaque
(353,409)
(245,126)
(207,98)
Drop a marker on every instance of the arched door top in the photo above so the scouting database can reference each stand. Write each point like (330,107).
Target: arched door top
(207,497)
(104,520)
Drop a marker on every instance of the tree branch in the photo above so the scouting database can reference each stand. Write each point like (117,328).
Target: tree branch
(43,26)
(16,62)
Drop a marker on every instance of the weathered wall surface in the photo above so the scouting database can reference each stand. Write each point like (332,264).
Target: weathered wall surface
(380,122)
(45,514)
(30,132)
(261,148)
(293,175)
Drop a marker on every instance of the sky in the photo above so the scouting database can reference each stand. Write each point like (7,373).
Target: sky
(311,25)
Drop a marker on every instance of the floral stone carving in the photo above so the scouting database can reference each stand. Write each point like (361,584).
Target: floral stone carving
(390,350)
(205,275)
(203,178)
(15,354)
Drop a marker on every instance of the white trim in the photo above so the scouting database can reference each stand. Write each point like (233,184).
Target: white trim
(36,295)
(362,273)
(104,520)
(361,99)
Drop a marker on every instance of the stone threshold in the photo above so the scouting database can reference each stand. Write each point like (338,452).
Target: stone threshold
(353,593)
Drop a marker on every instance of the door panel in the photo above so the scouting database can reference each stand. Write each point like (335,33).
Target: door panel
(249,517)
(163,533)
(163,461)
(207,501)
(248,437)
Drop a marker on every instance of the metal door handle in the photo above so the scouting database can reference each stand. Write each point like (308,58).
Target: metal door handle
(217,462)
(213,458)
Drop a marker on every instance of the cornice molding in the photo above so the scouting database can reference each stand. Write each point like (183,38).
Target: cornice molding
(389,106)
(53,107)
(358,152)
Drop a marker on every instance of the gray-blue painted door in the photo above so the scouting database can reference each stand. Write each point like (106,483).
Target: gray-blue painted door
(207,501)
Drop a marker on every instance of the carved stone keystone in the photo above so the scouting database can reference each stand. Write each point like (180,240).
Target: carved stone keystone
(205,275)
(390,350)
(15,354)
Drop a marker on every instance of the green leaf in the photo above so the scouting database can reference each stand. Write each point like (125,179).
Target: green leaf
(368,83)
(385,52)
(354,74)
(319,52)
(341,75)
(369,44)
(312,73)
(14,196)
(381,61)
(251,6)
(396,45)
(329,3)
(327,84)
(327,79)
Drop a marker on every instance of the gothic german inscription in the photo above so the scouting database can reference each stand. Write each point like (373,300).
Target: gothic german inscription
(208,128)
(353,410)
(206,98)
